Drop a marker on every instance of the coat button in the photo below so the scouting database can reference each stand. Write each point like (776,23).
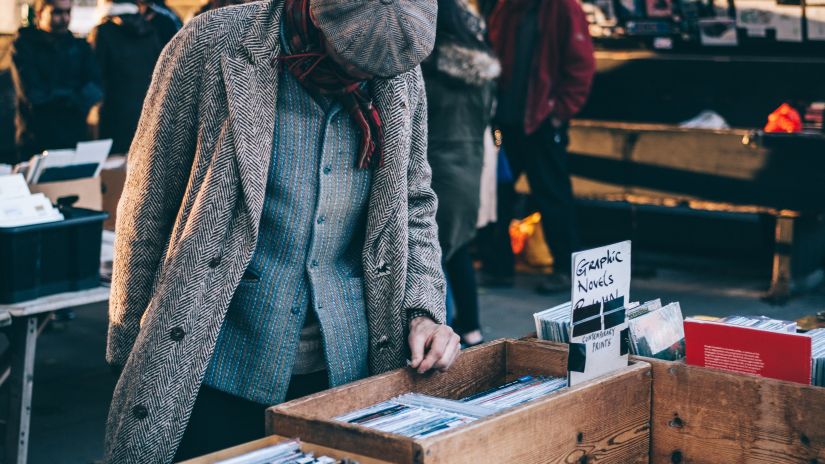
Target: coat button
(383,342)
(140,412)
(295,310)
(382,269)
(176,334)
(214,262)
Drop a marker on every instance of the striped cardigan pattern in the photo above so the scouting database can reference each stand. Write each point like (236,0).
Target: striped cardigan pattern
(187,222)
(309,251)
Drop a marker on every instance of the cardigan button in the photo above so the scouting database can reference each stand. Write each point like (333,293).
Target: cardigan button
(177,334)
(140,412)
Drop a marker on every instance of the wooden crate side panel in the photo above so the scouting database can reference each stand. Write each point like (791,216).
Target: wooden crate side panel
(535,359)
(345,437)
(606,421)
(476,369)
(709,416)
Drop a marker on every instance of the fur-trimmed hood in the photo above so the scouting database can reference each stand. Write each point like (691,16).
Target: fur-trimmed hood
(475,67)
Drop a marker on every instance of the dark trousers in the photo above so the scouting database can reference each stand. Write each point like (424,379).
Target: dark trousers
(543,157)
(220,420)
(462,278)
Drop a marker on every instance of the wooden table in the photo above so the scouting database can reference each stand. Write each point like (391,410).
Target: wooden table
(22,334)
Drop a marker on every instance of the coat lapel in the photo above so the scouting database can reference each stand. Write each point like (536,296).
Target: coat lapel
(251,90)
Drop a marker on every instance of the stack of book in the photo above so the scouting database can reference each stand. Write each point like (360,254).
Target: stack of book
(288,452)
(419,416)
(818,355)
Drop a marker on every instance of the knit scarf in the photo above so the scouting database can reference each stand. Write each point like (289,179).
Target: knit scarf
(316,70)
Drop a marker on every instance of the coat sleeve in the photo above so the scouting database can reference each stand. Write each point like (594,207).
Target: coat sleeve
(425,292)
(577,64)
(160,161)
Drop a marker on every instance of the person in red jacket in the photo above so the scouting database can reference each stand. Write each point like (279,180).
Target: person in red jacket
(547,68)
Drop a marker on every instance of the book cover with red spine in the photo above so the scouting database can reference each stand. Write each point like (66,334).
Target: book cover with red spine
(776,355)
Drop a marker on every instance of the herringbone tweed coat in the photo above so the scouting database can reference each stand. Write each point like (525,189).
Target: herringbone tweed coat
(188,220)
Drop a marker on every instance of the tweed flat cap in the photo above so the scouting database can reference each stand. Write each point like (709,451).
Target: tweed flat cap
(383,38)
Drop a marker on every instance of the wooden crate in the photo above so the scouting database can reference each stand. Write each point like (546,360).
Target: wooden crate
(606,420)
(704,415)
(701,415)
(236,451)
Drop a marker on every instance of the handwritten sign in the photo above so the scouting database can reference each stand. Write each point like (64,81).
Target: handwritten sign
(601,275)
(601,288)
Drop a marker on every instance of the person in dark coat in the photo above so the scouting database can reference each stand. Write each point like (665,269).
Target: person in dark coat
(459,77)
(56,80)
(547,69)
(163,20)
(127,49)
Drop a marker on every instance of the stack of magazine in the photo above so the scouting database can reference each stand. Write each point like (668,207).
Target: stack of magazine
(655,331)
(419,416)
(554,324)
(761,322)
(521,391)
(416,416)
(818,354)
(288,452)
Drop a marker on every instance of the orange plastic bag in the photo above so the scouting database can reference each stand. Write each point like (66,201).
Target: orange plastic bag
(522,230)
(784,119)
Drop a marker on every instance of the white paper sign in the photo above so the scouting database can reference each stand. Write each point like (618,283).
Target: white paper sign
(601,288)
(601,275)
(602,353)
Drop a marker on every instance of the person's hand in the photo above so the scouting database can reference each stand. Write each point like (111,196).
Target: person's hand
(433,346)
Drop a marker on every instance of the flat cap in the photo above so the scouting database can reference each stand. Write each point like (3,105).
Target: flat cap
(383,38)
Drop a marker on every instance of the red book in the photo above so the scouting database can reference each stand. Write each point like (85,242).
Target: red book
(776,355)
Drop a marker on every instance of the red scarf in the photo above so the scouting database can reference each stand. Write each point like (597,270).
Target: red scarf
(315,69)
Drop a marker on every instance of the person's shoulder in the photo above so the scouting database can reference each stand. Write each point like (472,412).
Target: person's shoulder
(24,35)
(223,20)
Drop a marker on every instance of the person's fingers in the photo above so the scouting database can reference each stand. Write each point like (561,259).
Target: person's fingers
(439,340)
(418,338)
(450,354)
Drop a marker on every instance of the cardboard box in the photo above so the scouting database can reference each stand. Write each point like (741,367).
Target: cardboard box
(88,191)
(604,420)
(113,179)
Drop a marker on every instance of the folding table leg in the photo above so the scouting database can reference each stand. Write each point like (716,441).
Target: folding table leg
(23,341)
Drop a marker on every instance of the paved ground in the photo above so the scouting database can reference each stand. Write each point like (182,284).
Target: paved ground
(73,385)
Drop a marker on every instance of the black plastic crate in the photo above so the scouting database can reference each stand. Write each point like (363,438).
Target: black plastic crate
(44,259)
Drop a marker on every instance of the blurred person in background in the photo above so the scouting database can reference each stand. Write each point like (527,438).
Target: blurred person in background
(215,4)
(127,48)
(547,70)
(164,21)
(56,81)
(459,77)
